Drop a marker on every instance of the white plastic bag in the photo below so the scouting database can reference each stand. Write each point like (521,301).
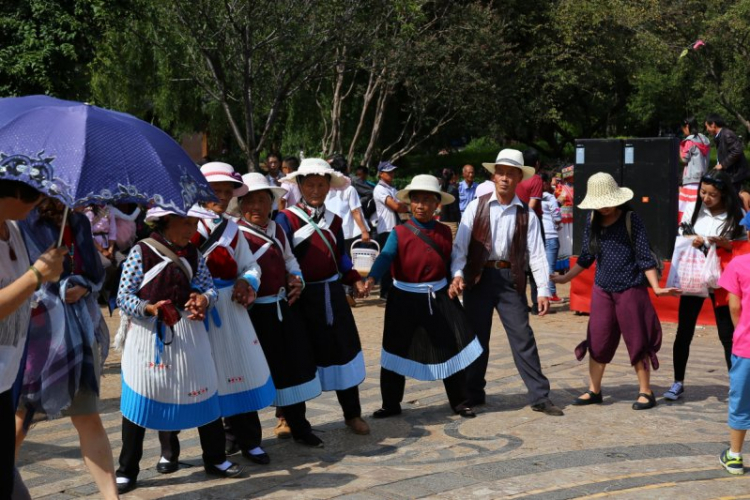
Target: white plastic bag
(711,269)
(686,271)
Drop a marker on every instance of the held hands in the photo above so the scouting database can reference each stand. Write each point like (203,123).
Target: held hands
(559,280)
(50,263)
(243,293)
(196,305)
(360,290)
(75,293)
(368,286)
(294,288)
(456,288)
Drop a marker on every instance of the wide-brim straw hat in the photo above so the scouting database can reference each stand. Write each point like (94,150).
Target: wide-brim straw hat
(318,166)
(602,191)
(216,171)
(196,211)
(258,182)
(427,184)
(511,158)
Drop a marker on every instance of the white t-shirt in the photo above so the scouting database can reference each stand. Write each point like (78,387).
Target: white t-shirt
(387,218)
(343,203)
(550,215)
(13,328)
(293,195)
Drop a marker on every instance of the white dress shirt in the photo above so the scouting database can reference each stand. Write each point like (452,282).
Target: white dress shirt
(502,226)
(343,203)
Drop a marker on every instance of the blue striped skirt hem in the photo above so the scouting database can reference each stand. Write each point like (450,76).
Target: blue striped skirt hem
(159,416)
(250,400)
(437,371)
(340,377)
(298,393)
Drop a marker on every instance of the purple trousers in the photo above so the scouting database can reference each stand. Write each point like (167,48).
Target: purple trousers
(629,314)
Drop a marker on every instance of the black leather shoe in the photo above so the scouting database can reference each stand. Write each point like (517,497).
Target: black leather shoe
(645,406)
(548,408)
(465,412)
(123,488)
(385,413)
(262,459)
(593,399)
(310,440)
(233,470)
(167,467)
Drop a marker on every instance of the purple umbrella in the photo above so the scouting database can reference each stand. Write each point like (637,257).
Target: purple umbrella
(84,155)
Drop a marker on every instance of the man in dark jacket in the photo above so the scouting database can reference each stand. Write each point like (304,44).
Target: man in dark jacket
(730,153)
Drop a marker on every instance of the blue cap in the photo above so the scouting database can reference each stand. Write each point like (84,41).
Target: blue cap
(385,166)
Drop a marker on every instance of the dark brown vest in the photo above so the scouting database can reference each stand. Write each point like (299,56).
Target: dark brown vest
(480,245)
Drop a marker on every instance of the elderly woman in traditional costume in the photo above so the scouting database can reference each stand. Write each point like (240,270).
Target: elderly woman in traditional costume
(245,384)
(426,334)
(169,379)
(68,340)
(278,321)
(317,241)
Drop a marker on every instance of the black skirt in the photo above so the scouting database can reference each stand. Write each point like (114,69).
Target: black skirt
(427,338)
(333,332)
(289,353)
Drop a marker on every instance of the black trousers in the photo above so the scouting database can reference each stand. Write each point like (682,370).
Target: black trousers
(244,429)
(295,418)
(386,282)
(349,401)
(392,387)
(496,291)
(211,438)
(7,437)
(690,308)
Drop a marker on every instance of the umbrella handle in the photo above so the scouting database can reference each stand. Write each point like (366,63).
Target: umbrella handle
(62,227)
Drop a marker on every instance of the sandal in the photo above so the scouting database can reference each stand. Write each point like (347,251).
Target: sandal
(593,399)
(645,406)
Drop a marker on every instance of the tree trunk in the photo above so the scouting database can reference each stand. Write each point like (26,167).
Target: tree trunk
(377,123)
(373,84)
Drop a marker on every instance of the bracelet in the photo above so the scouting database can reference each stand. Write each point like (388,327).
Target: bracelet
(38,275)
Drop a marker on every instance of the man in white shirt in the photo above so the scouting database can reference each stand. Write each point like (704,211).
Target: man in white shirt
(293,195)
(387,208)
(347,205)
(489,258)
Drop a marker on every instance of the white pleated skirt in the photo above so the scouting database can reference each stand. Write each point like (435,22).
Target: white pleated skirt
(170,387)
(245,382)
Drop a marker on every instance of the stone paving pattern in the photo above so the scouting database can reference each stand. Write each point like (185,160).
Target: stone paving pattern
(508,451)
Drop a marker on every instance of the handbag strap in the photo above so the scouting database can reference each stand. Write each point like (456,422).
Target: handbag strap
(214,236)
(429,241)
(303,215)
(162,249)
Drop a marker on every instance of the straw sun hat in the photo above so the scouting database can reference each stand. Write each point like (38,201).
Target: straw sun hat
(318,166)
(602,191)
(425,183)
(258,182)
(511,158)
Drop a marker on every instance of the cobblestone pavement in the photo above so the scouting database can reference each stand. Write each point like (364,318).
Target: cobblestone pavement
(508,451)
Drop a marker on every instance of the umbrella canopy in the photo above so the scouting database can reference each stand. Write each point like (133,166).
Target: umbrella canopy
(84,155)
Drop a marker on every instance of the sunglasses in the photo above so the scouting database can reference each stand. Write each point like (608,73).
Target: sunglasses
(714,182)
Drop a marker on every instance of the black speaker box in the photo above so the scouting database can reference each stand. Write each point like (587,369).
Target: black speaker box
(592,156)
(651,168)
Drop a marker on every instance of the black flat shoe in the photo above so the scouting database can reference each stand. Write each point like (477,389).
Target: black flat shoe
(465,412)
(385,413)
(645,406)
(167,467)
(262,459)
(593,399)
(310,440)
(233,470)
(123,488)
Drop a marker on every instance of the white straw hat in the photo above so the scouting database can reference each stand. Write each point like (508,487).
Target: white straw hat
(258,182)
(318,166)
(196,211)
(217,171)
(602,191)
(511,158)
(426,183)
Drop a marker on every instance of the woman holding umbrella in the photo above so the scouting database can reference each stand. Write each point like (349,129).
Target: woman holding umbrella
(169,378)
(426,335)
(68,340)
(18,282)
(281,329)
(317,241)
